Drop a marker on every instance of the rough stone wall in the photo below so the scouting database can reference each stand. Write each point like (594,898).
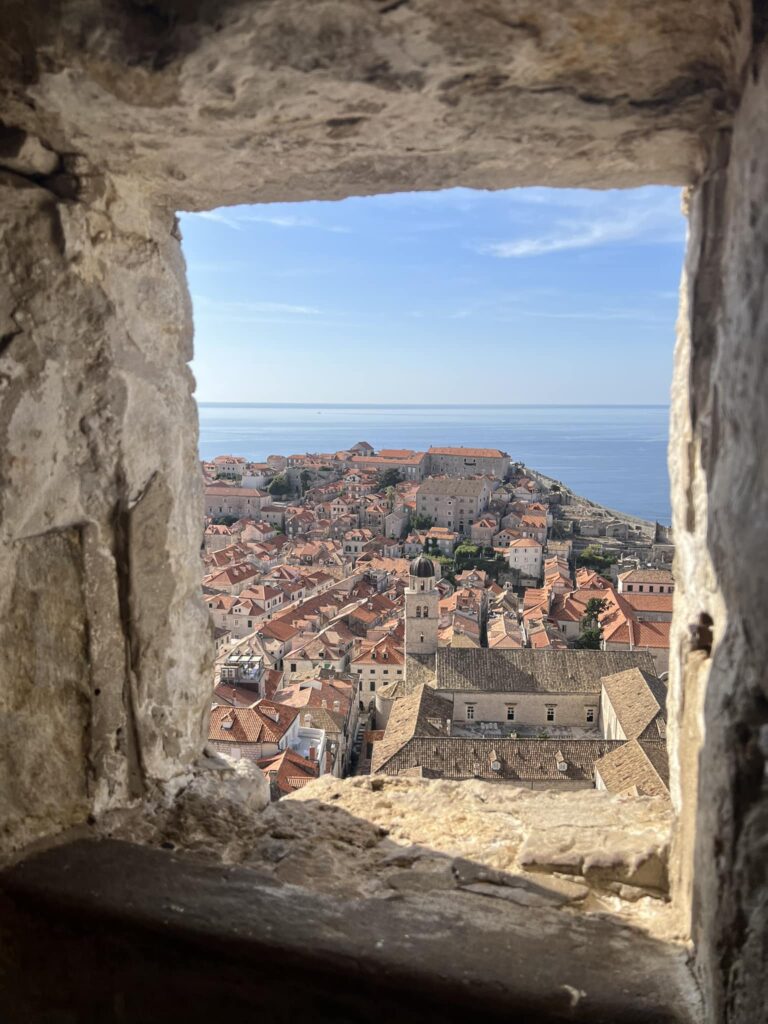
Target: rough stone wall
(104,642)
(212,103)
(115,115)
(720,481)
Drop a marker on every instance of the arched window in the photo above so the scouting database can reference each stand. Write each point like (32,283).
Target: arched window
(426,611)
(418,611)
(421,638)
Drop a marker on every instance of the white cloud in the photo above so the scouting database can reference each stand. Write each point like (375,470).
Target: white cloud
(569,236)
(219,217)
(601,218)
(291,221)
(236,216)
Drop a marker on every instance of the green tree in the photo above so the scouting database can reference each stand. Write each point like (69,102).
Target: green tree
(304,479)
(421,521)
(389,478)
(593,557)
(279,485)
(591,631)
(466,553)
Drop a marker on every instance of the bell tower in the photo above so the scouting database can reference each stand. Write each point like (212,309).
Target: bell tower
(421,608)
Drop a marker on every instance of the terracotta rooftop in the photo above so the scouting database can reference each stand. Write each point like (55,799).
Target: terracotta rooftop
(262,722)
(474,453)
(289,771)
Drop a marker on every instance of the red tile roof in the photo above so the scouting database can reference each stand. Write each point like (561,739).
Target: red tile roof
(262,722)
(289,771)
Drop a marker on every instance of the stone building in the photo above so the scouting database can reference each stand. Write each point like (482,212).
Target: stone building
(463,462)
(419,742)
(453,504)
(422,608)
(528,688)
(227,500)
(646,581)
(116,823)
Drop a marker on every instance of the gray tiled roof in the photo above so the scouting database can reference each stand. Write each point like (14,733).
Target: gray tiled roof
(647,576)
(533,671)
(421,713)
(638,700)
(636,766)
(420,669)
(519,760)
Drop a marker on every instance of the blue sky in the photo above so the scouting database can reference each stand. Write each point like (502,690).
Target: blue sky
(522,296)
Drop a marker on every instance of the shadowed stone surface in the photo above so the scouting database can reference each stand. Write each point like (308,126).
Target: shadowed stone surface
(225,934)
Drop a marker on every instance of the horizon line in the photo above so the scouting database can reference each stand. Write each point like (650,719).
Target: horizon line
(437,405)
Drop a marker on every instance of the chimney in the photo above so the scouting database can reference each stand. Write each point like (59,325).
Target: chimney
(313,753)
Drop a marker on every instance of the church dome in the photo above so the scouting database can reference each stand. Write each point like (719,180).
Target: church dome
(422,566)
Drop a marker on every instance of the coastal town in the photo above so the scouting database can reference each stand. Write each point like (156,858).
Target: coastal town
(448,613)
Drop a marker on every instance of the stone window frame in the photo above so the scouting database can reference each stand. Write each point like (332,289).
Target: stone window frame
(701,138)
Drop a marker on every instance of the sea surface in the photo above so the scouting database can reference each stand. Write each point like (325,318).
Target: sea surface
(614,455)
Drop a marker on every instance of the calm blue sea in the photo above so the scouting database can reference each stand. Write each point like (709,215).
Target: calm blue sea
(614,455)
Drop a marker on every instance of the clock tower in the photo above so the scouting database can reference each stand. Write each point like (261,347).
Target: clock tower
(421,608)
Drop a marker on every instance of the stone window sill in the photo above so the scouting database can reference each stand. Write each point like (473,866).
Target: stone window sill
(364,899)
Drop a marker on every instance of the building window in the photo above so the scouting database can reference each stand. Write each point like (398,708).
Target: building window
(470,712)
(510,714)
(426,611)
(550,714)
(590,714)
(418,611)
(640,588)
(372,685)
(629,587)
(293,666)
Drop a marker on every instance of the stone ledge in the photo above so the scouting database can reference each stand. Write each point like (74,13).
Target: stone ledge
(373,836)
(166,935)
